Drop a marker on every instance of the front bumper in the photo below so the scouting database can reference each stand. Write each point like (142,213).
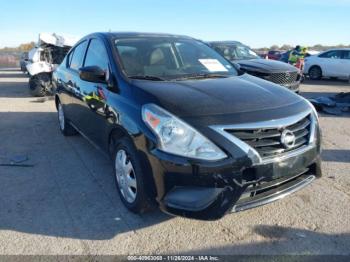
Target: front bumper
(209,192)
(293,86)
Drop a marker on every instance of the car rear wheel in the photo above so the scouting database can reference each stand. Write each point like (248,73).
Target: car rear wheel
(315,73)
(66,128)
(129,177)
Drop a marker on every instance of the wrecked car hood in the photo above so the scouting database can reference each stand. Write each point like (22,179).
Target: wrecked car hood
(57,40)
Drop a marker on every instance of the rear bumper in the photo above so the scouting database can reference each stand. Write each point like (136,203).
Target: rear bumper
(211,193)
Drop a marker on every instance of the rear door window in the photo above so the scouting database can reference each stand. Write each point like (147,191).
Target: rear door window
(76,61)
(346,55)
(334,54)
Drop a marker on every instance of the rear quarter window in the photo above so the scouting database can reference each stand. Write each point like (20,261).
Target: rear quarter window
(346,55)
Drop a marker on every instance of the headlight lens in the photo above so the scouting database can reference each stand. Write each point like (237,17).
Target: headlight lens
(313,108)
(315,128)
(177,137)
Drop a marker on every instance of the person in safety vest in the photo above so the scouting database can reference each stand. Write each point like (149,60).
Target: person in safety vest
(294,55)
(304,51)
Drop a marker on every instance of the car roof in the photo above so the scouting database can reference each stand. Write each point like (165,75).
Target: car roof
(232,42)
(337,49)
(114,35)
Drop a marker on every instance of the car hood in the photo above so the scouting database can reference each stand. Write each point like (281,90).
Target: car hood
(219,96)
(264,65)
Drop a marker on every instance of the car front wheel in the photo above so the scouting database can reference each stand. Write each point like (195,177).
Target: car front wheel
(129,176)
(39,84)
(315,73)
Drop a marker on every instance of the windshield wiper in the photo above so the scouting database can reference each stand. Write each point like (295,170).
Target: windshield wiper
(147,77)
(206,75)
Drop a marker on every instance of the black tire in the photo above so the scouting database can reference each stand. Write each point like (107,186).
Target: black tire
(142,202)
(315,73)
(39,84)
(66,128)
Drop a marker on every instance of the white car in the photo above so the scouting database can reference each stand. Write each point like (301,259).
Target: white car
(44,58)
(330,63)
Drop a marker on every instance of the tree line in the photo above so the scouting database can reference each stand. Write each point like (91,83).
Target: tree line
(27,46)
(317,47)
(19,49)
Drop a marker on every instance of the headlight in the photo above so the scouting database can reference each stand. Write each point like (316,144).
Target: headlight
(178,138)
(315,125)
(312,108)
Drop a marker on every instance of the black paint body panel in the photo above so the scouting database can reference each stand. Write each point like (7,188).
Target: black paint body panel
(99,111)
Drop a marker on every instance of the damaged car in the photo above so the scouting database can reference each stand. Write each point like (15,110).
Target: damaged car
(274,71)
(43,59)
(184,128)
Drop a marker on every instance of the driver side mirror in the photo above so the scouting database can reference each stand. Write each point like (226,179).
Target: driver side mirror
(238,68)
(92,74)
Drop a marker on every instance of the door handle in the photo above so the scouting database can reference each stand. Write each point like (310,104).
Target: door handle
(70,84)
(73,86)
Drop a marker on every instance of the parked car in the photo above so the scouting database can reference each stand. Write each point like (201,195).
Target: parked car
(274,55)
(285,56)
(43,59)
(331,63)
(23,61)
(183,127)
(274,71)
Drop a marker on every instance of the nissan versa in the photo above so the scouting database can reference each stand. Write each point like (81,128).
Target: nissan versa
(184,128)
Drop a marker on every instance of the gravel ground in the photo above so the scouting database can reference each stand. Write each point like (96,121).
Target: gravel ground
(67,204)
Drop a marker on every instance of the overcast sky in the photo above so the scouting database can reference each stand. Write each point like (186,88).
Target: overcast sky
(257,23)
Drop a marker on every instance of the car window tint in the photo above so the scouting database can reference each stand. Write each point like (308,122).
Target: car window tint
(78,56)
(346,54)
(190,54)
(335,54)
(235,52)
(96,55)
(169,58)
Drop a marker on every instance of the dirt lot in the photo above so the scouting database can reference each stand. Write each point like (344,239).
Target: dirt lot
(66,203)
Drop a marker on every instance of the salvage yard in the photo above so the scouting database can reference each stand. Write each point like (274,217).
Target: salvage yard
(62,199)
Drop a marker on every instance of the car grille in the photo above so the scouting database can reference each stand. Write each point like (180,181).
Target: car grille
(283,78)
(265,192)
(267,141)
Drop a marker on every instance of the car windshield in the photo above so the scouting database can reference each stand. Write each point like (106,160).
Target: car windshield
(164,58)
(235,51)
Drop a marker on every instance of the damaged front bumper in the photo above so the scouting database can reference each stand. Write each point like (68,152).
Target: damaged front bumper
(210,192)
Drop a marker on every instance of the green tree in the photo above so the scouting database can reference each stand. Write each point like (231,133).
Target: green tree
(286,47)
(274,47)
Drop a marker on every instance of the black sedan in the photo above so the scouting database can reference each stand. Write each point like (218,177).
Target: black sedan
(183,127)
(271,70)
